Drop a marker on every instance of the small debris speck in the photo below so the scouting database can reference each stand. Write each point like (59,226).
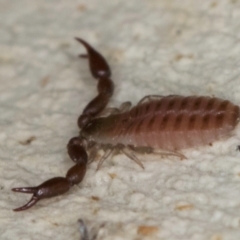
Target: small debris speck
(28,141)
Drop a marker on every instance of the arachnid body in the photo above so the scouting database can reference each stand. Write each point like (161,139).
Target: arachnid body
(169,123)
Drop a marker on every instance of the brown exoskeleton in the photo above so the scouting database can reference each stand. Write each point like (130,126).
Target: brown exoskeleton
(169,123)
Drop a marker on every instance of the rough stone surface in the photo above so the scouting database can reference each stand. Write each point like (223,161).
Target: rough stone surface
(154,47)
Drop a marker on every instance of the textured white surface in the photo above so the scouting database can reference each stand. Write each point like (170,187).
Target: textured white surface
(154,47)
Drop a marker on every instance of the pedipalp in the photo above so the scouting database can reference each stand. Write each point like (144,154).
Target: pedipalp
(59,185)
(100,71)
(76,146)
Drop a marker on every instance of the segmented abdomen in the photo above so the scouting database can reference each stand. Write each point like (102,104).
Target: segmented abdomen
(174,122)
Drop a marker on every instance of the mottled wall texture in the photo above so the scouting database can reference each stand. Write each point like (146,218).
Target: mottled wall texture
(161,47)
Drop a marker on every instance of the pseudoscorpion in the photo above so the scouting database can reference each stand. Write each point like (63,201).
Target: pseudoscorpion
(169,123)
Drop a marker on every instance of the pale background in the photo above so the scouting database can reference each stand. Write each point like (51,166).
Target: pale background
(154,47)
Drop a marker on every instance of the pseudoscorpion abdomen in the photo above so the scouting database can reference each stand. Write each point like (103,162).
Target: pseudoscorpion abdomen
(175,122)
